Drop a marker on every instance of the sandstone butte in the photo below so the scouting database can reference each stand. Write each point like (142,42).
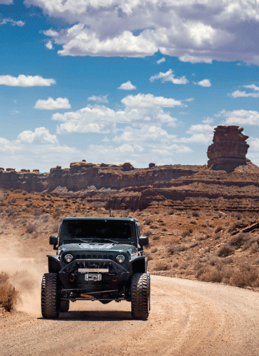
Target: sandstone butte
(228,182)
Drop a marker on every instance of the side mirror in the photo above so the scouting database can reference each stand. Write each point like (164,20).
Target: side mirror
(144,241)
(53,240)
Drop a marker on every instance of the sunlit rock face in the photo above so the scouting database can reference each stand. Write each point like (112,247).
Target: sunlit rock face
(228,150)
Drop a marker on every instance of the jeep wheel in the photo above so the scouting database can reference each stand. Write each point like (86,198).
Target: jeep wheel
(49,296)
(140,295)
(64,306)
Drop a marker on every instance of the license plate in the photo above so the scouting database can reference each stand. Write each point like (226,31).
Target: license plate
(96,277)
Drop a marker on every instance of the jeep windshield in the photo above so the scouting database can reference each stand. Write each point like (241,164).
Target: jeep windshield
(96,229)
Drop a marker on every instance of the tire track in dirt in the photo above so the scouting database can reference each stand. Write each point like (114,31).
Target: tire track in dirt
(187,318)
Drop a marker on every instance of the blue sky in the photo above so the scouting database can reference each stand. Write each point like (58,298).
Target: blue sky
(125,80)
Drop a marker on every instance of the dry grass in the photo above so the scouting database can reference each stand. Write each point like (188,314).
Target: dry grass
(8,294)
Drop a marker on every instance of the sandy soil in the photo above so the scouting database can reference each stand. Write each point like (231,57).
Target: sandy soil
(187,318)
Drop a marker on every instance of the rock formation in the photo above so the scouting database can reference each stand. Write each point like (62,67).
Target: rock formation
(228,150)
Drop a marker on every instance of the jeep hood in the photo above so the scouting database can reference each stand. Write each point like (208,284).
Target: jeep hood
(100,246)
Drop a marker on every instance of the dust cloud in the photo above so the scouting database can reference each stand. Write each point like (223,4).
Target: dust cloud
(25,275)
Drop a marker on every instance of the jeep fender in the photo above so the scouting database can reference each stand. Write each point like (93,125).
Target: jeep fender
(54,264)
(138,265)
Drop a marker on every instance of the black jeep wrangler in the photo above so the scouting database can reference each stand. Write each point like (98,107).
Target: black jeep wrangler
(97,259)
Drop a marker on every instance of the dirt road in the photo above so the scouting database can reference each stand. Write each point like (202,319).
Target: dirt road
(187,318)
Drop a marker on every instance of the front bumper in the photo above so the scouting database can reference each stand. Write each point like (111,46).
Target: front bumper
(113,276)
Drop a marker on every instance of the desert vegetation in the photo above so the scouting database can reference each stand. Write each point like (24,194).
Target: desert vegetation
(211,246)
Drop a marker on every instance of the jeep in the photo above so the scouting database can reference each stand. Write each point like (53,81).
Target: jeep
(97,259)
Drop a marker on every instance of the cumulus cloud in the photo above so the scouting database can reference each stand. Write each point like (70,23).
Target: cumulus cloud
(41,135)
(101,99)
(25,81)
(36,149)
(127,86)
(149,100)
(169,77)
(79,40)
(204,83)
(49,45)
(162,60)
(193,31)
(51,104)
(12,22)
(240,117)
(103,120)
(200,134)
(244,94)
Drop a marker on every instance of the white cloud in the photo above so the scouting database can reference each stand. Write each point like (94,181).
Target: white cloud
(51,104)
(200,134)
(189,99)
(252,86)
(162,60)
(41,135)
(79,40)
(36,149)
(169,77)
(49,45)
(12,22)
(127,86)
(101,99)
(239,94)
(103,120)
(25,81)
(6,2)
(149,100)
(151,134)
(204,83)
(193,31)
(240,117)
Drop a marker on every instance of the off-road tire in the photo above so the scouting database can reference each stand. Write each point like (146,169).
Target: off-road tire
(64,306)
(49,296)
(140,295)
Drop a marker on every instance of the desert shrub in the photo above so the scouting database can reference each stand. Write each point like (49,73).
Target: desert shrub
(211,275)
(8,294)
(187,232)
(161,266)
(195,214)
(147,221)
(239,240)
(154,250)
(153,226)
(176,248)
(217,236)
(31,228)
(13,201)
(214,260)
(164,229)
(178,213)
(156,237)
(193,222)
(37,212)
(254,247)
(218,229)
(244,277)
(224,251)
(175,265)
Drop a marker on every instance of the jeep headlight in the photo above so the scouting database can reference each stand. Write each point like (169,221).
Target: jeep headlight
(68,257)
(120,258)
